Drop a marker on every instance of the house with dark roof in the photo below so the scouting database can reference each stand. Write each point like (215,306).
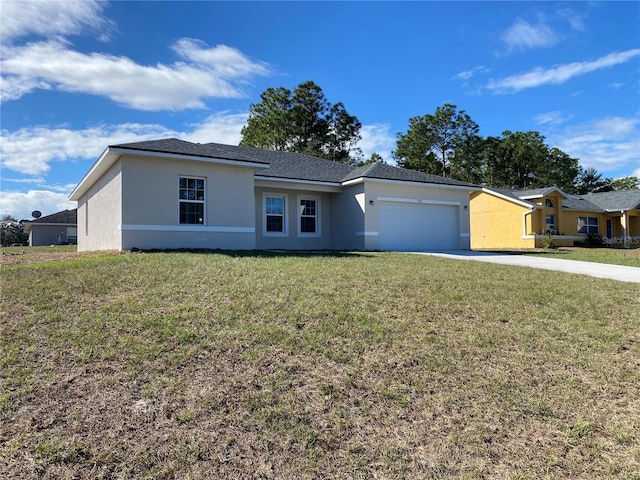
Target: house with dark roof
(505,219)
(59,228)
(169,193)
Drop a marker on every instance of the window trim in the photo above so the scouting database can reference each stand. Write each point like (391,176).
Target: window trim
(587,226)
(318,217)
(285,214)
(203,202)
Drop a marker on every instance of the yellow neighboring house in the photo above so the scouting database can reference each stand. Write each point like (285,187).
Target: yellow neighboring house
(506,219)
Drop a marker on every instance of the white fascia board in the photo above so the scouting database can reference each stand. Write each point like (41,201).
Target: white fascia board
(531,197)
(540,195)
(407,182)
(195,158)
(100,166)
(509,199)
(262,181)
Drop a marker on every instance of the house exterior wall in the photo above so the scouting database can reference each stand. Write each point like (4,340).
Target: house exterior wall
(293,239)
(152,217)
(46,234)
(348,219)
(498,223)
(379,190)
(99,213)
(569,222)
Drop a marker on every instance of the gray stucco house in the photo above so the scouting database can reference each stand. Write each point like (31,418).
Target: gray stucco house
(169,193)
(55,229)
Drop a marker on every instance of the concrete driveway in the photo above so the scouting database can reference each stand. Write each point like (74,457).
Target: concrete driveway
(599,270)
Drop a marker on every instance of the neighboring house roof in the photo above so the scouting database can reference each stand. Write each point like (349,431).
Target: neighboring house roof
(537,192)
(65,217)
(579,202)
(270,164)
(69,217)
(510,194)
(615,201)
(592,202)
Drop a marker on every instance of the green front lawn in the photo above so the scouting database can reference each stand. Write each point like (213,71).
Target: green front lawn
(615,256)
(222,365)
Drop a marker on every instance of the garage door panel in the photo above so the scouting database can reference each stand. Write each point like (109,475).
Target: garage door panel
(416,227)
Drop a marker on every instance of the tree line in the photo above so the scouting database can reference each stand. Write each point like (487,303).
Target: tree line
(445,143)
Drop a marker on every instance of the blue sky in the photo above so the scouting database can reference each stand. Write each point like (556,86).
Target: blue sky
(78,76)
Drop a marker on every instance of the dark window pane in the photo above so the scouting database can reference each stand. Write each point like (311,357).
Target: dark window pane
(274,223)
(191,213)
(308,225)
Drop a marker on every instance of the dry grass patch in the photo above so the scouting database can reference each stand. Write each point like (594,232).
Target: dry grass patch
(180,365)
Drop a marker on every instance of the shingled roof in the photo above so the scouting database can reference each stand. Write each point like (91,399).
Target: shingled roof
(612,201)
(208,150)
(64,217)
(289,165)
(592,202)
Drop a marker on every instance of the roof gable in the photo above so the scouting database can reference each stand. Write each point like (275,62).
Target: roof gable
(63,217)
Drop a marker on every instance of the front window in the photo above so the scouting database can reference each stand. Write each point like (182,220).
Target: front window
(191,198)
(548,203)
(588,225)
(550,221)
(309,213)
(275,214)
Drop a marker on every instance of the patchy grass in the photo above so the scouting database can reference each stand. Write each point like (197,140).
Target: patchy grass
(53,253)
(614,256)
(177,365)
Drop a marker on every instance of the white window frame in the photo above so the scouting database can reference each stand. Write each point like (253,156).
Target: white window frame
(316,199)
(285,214)
(203,202)
(586,224)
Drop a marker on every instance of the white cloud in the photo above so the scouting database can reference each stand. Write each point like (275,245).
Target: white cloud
(219,128)
(576,20)
(636,173)
(20,204)
(31,150)
(552,119)
(467,74)
(48,18)
(523,35)
(376,138)
(559,74)
(608,144)
(211,72)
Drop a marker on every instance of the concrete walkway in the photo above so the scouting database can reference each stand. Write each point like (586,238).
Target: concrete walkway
(599,270)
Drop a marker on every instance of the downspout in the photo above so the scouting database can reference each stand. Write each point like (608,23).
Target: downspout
(624,229)
(524,222)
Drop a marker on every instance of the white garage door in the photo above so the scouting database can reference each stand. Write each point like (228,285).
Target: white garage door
(417,227)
